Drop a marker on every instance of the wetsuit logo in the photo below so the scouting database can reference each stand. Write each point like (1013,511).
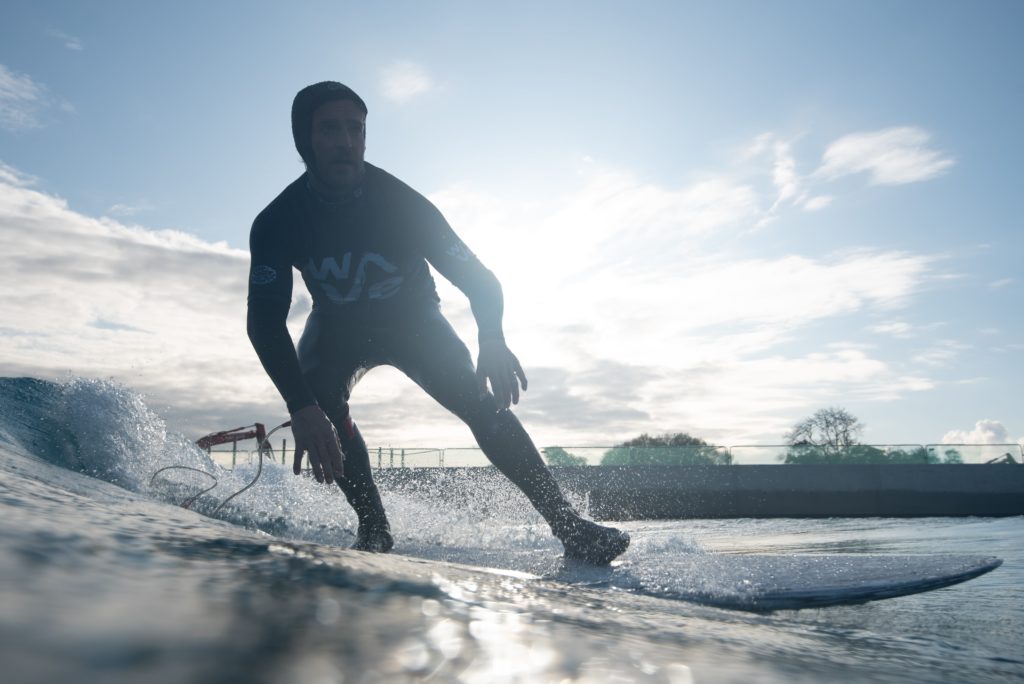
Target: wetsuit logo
(459,251)
(263,275)
(329,270)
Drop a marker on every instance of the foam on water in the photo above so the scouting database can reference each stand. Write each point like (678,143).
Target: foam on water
(107,579)
(107,431)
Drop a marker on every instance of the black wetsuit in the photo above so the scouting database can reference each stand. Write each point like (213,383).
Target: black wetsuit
(364,260)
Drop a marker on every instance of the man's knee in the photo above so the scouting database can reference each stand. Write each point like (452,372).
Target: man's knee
(487,421)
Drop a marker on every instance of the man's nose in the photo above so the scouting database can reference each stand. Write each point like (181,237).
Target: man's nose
(346,139)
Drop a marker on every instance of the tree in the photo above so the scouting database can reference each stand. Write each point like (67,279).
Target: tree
(557,456)
(920,455)
(824,437)
(668,449)
(952,456)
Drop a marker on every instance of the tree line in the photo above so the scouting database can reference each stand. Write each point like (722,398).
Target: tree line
(667,449)
(830,435)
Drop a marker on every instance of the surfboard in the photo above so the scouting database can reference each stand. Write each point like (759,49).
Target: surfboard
(769,582)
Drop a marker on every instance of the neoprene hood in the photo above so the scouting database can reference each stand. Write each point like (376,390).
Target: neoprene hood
(306,101)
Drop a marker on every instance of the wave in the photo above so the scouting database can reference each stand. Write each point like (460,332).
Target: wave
(106,431)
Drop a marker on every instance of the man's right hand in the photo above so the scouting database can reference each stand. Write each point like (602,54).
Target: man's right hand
(315,435)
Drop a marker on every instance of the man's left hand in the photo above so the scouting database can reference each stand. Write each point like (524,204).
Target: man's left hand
(500,366)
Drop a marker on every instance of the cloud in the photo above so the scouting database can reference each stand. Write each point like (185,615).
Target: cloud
(893,156)
(111,325)
(70,42)
(627,311)
(817,202)
(623,271)
(989,440)
(130,209)
(761,144)
(13,177)
(162,311)
(985,431)
(784,172)
(942,353)
(21,101)
(404,80)
(791,187)
(998,284)
(890,156)
(895,328)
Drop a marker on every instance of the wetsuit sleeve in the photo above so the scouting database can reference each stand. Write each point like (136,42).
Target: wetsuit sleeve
(452,259)
(270,295)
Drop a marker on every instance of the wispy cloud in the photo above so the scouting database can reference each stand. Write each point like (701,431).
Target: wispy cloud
(791,187)
(1001,283)
(15,178)
(784,172)
(21,101)
(113,325)
(942,353)
(895,328)
(70,42)
(1012,348)
(130,209)
(818,202)
(404,80)
(893,156)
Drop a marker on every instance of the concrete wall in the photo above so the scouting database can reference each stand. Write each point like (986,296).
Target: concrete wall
(771,491)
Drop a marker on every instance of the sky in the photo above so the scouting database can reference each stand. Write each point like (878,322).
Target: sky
(707,217)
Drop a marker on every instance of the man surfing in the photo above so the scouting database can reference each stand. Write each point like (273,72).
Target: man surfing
(362,241)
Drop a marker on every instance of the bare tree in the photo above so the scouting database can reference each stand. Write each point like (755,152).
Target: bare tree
(833,429)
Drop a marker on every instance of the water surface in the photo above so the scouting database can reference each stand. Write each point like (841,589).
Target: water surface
(103,578)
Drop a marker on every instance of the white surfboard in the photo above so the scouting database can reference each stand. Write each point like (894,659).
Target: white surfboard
(767,582)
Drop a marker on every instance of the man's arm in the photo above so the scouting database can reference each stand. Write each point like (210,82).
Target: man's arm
(270,291)
(452,259)
(270,294)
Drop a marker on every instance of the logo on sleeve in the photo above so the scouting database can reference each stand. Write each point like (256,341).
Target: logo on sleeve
(458,250)
(263,275)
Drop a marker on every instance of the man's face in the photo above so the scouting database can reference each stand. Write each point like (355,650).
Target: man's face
(339,143)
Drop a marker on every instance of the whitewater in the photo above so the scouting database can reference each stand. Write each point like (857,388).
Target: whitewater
(105,578)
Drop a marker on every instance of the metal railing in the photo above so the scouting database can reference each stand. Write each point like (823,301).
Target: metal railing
(743,454)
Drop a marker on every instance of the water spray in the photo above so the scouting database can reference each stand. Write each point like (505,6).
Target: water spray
(264,447)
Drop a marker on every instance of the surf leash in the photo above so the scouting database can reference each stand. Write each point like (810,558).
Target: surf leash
(264,447)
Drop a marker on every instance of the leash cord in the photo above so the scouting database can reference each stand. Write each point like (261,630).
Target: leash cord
(187,503)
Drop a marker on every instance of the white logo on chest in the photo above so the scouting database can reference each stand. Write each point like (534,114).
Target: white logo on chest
(330,276)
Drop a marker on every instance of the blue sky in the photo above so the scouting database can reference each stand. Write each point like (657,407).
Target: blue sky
(708,217)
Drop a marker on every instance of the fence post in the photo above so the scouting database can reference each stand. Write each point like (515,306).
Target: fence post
(403,457)
(284,451)
(234,453)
